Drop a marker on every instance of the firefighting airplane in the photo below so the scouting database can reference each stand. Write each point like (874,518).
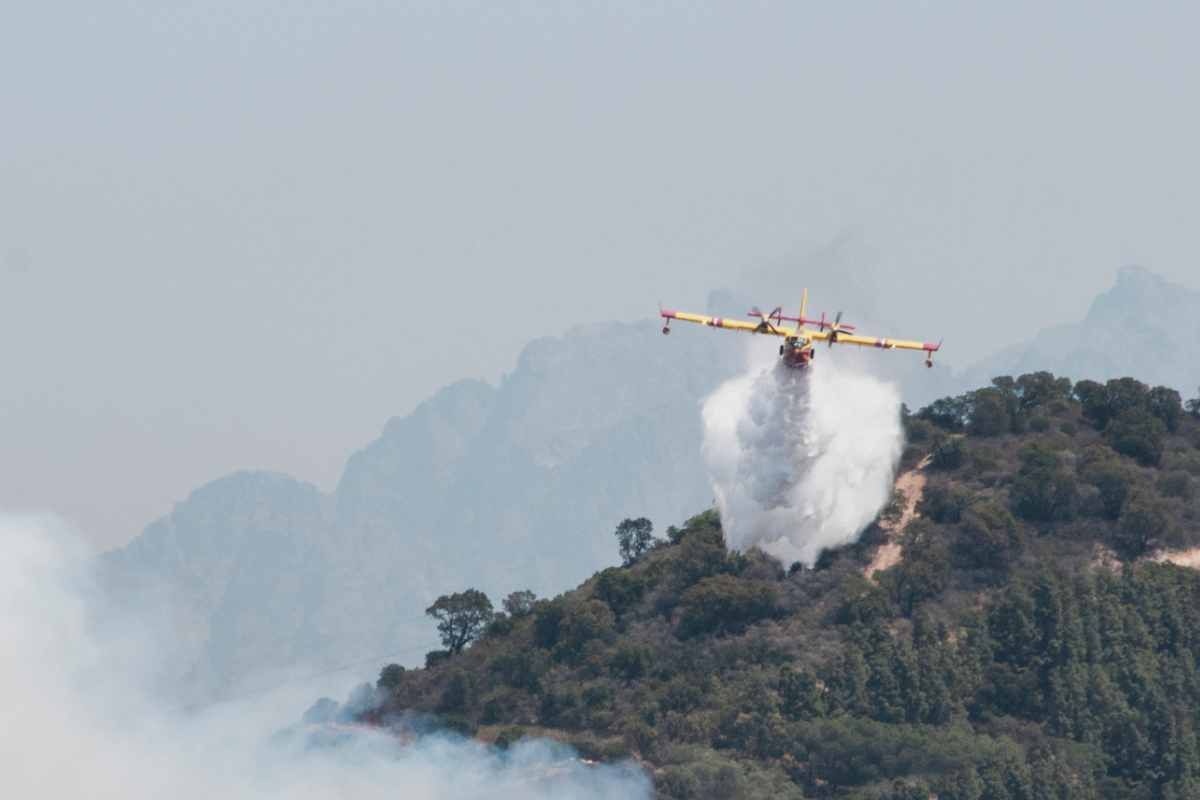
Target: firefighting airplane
(797,348)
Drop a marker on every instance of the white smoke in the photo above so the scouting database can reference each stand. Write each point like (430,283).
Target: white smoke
(76,721)
(801,459)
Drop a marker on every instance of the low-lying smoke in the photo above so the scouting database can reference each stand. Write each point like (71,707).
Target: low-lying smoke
(801,460)
(76,721)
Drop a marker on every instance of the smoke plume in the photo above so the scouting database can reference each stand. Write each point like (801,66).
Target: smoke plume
(801,459)
(76,721)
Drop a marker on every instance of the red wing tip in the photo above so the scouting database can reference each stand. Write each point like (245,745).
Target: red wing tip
(931,347)
(666,312)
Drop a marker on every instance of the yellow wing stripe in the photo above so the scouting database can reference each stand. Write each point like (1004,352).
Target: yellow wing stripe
(800,332)
(871,341)
(729,324)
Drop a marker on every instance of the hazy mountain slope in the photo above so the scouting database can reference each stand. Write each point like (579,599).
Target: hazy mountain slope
(1144,326)
(504,487)
(419,452)
(233,572)
(567,444)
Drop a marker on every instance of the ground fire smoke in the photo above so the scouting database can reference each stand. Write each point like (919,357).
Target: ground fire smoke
(801,459)
(77,721)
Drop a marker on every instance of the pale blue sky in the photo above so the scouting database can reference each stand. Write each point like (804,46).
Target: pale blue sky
(244,234)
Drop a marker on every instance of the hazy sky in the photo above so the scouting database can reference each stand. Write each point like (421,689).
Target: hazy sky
(245,234)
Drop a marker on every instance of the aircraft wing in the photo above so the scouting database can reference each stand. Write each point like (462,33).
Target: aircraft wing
(871,341)
(728,324)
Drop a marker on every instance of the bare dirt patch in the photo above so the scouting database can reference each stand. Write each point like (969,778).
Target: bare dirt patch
(1180,558)
(911,484)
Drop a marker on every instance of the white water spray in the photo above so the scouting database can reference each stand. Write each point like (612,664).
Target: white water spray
(801,460)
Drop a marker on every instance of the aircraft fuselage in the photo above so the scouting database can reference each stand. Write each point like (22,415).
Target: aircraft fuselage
(796,353)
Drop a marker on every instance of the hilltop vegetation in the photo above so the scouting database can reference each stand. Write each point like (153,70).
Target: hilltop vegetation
(1026,646)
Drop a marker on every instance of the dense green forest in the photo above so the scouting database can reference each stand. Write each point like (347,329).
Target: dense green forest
(1029,644)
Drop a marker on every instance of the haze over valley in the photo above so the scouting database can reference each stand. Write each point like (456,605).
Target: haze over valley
(342,452)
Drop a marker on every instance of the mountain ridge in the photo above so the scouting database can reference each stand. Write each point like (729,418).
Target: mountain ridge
(1143,325)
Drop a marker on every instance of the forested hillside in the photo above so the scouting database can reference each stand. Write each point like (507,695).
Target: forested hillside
(1029,639)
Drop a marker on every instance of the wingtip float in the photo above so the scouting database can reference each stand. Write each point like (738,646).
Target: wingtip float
(798,341)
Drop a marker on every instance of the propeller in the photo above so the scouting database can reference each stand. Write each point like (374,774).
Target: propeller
(835,327)
(768,320)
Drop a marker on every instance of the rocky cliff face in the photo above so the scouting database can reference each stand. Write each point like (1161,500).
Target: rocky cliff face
(501,488)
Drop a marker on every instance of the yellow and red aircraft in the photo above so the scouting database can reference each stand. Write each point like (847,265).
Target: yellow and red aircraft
(797,348)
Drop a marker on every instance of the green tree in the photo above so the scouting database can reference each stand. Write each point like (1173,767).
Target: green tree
(461,617)
(864,603)
(1193,405)
(520,669)
(847,680)
(801,697)
(582,623)
(1129,398)
(924,570)
(1125,394)
(702,553)
(725,603)
(634,538)
(1042,490)
(1166,404)
(947,452)
(962,785)
(1137,434)
(1103,403)
(915,428)
(458,693)
(948,413)
(1115,481)
(1094,401)
(520,603)
(907,790)
(1176,484)
(1041,389)
(944,503)
(989,537)
(620,588)
(390,677)
(1142,526)
(547,621)
(630,661)
(990,414)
